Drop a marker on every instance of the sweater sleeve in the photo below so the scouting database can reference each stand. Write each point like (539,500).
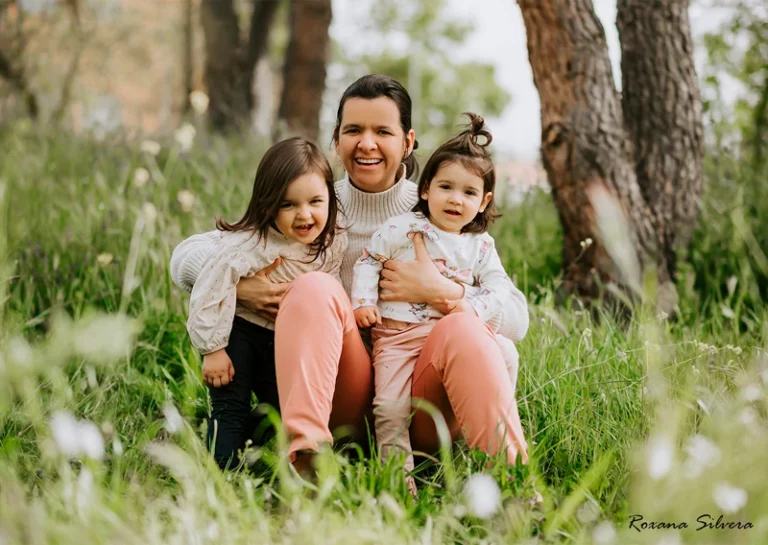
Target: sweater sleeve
(514,315)
(493,282)
(213,300)
(189,257)
(367,270)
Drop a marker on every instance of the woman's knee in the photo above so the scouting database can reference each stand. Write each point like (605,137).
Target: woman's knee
(462,329)
(314,284)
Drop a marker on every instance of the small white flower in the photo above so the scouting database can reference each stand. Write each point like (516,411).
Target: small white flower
(91,441)
(483,495)
(586,243)
(64,428)
(150,146)
(729,498)
(104,259)
(604,534)
(185,136)
(186,200)
(149,211)
(752,392)
(731,285)
(174,423)
(140,177)
(587,333)
(661,316)
(117,447)
(702,453)
(199,101)
(660,454)
(212,531)
(19,351)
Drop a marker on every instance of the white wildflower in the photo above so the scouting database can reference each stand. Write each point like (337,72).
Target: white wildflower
(731,285)
(149,211)
(75,437)
(729,498)
(212,531)
(702,453)
(117,447)
(174,423)
(660,454)
(185,136)
(140,177)
(482,495)
(104,337)
(199,101)
(19,351)
(186,200)
(662,316)
(91,441)
(104,258)
(752,392)
(726,311)
(586,243)
(604,534)
(150,146)
(64,428)
(587,333)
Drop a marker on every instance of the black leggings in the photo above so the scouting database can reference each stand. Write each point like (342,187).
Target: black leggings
(252,351)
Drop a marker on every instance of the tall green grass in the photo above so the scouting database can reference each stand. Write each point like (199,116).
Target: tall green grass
(93,327)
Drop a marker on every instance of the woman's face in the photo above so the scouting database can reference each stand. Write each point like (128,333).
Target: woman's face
(371,143)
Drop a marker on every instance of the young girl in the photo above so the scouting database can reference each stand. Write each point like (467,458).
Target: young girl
(292,216)
(453,214)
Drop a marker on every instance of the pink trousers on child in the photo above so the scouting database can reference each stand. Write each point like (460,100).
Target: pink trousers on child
(325,376)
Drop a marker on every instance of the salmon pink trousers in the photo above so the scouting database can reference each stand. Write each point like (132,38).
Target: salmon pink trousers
(325,377)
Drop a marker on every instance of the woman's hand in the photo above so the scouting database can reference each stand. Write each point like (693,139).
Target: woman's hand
(417,281)
(218,370)
(260,295)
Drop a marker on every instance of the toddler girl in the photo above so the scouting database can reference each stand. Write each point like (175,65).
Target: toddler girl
(453,214)
(291,216)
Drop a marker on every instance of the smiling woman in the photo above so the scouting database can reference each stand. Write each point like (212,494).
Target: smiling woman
(318,349)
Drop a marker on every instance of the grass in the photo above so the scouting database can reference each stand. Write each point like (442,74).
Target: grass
(93,327)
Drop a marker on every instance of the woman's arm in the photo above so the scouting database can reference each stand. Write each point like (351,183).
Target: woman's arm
(257,293)
(189,257)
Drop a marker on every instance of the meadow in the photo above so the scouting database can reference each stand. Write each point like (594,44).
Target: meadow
(103,410)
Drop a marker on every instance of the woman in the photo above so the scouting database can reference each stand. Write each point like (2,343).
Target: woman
(324,374)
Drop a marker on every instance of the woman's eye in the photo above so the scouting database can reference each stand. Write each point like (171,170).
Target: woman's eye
(385,132)
(285,205)
(351,131)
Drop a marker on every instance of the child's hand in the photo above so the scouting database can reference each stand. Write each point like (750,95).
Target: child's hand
(218,370)
(367,316)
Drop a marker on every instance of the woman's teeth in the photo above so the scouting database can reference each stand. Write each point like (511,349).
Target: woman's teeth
(368,161)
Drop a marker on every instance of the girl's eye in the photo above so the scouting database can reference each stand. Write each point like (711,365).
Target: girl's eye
(444,186)
(471,193)
(318,201)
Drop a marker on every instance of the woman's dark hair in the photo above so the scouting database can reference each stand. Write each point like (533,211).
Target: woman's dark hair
(378,85)
(281,165)
(466,150)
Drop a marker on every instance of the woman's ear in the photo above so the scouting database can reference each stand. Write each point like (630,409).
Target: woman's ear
(486,200)
(410,138)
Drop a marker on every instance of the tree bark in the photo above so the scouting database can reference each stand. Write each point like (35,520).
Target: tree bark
(227,105)
(305,69)
(587,153)
(662,113)
(258,39)
(187,55)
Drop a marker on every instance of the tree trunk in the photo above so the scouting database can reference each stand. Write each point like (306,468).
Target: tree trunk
(227,106)
(587,153)
(305,69)
(261,22)
(662,113)
(187,55)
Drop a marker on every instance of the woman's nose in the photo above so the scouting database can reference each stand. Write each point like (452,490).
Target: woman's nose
(366,141)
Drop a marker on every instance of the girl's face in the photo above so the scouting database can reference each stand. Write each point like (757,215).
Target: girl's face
(455,196)
(303,212)
(371,143)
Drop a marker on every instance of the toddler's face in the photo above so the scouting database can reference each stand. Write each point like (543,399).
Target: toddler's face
(304,211)
(455,196)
